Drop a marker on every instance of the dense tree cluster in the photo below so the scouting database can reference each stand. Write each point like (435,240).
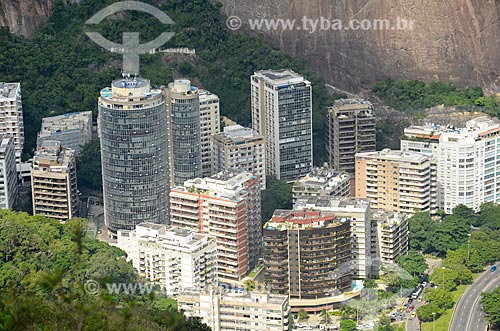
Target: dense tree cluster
(491,302)
(415,95)
(44,266)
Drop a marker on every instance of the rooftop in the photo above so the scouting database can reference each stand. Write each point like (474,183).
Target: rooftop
(4,142)
(394,155)
(302,219)
(51,156)
(167,235)
(237,134)
(323,176)
(383,217)
(9,90)
(66,122)
(352,104)
(281,76)
(130,87)
(333,203)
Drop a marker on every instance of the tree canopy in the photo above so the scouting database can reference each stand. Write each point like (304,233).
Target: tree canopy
(44,268)
(491,302)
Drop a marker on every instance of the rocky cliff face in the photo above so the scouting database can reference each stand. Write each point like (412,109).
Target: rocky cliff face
(450,39)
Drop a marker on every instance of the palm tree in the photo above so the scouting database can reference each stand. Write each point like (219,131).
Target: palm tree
(347,312)
(325,316)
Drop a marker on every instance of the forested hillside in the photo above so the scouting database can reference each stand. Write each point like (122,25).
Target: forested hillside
(62,71)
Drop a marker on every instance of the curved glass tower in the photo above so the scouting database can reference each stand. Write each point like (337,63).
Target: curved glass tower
(185,140)
(134,154)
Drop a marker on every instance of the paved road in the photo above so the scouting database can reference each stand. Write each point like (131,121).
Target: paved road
(468,315)
(413,324)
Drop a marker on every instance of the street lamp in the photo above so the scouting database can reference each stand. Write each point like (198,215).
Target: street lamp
(468,247)
(433,321)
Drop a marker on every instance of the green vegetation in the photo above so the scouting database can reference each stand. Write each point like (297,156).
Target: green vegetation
(443,321)
(347,325)
(278,195)
(44,269)
(414,95)
(303,315)
(88,166)
(490,303)
(62,71)
(414,263)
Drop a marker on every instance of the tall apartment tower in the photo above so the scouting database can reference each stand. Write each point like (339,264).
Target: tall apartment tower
(53,181)
(394,180)
(303,250)
(282,113)
(358,211)
(183,108)
(239,147)
(210,125)
(465,160)
(8,173)
(227,207)
(134,154)
(350,129)
(11,113)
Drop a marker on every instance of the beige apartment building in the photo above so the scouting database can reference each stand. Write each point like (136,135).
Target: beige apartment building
(209,125)
(394,180)
(392,235)
(250,311)
(322,181)
(241,147)
(227,207)
(53,181)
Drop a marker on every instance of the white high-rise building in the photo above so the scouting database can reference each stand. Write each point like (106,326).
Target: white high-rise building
(282,113)
(252,311)
(209,125)
(11,115)
(174,258)
(322,182)
(392,235)
(358,211)
(239,147)
(467,161)
(8,174)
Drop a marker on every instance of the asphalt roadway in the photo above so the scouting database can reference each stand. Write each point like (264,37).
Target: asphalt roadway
(468,315)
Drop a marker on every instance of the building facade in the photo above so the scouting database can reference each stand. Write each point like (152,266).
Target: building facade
(239,147)
(72,130)
(210,125)
(11,115)
(392,235)
(305,253)
(227,207)
(322,182)
(53,181)
(350,129)
(134,154)
(237,311)
(174,258)
(183,109)
(466,161)
(394,180)
(8,173)
(358,212)
(282,113)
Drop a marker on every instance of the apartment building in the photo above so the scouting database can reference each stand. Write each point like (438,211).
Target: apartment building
(306,253)
(229,311)
(350,129)
(282,112)
(184,129)
(209,125)
(466,161)
(134,154)
(72,130)
(394,180)
(53,181)
(392,235)
(8,173)
(239,147)
(358,212)
(227,207)
(322,181)
(11,115)
(174,258)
